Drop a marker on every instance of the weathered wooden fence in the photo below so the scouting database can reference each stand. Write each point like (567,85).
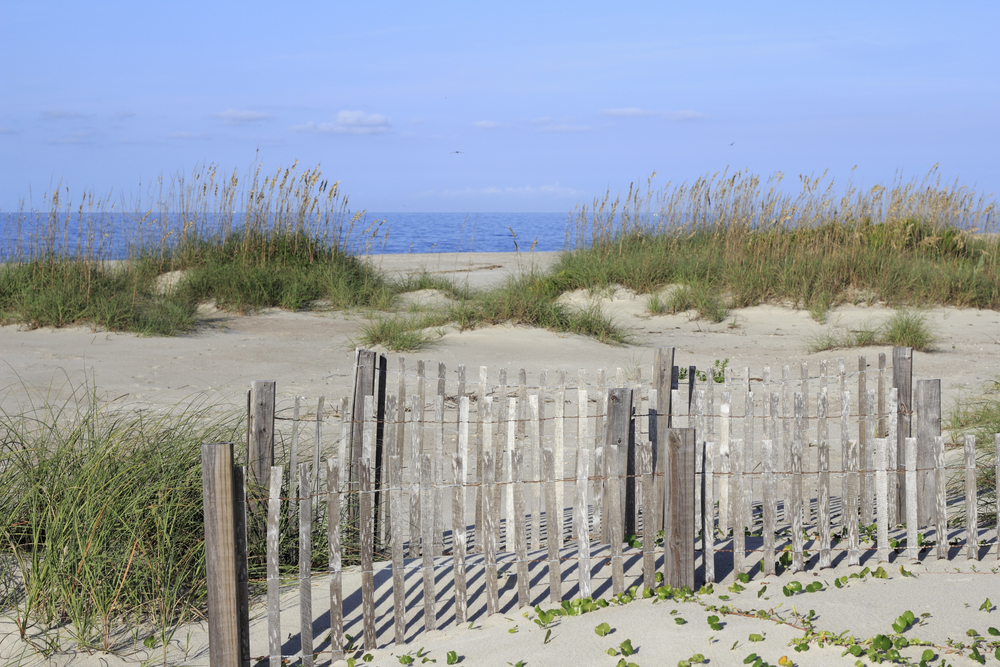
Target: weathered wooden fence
(453,474)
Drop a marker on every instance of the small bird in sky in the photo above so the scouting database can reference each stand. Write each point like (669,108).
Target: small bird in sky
(453,152)
(732,143)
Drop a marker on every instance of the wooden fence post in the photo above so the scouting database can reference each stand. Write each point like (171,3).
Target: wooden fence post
(663,366)
(617,435)
(273,582)
(902,379)
(224,648)
(678,560)
(260,436)
(928,408)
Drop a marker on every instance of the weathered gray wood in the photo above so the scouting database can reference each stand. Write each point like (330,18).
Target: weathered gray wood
(774,412)
(553,527)
(482,490)
(482,443)
(882,430)
(864,446)
(427,532)
(823,467)
(383,502)
(220,554)
(317,448)
(928,408)
(458,535)
(910,457)
(786,440)
(242,569)
(367,551)
(414,476)
(971,505)
(739,502)
(798,561)
(617,436)
(560,452)
(522,402)
(678,561)
(509,529)
(305,566)
(520,537)
(869,462)
(770,508)
(748,459)
(940,511)
(663,365)
(902,379)
(260,437)
(438,466)
(489,537)
(293,463)
(615,523)
(583,442)
(893,462)
(700,430)
(851,505)
(365,370)
(345,435)
(535,472)
(335,557)
(845,416)
(580,522)
(461,382)
(398,564)
(708,511)
(501,464)
(648,520)
(882,498)
(273,581)
(725,464)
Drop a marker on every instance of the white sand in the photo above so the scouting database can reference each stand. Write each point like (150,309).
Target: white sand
(310,353)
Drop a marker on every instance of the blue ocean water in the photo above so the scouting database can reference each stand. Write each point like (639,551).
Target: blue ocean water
(110,235)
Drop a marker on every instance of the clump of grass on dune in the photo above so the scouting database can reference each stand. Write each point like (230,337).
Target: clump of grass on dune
(915,243)
(902,329)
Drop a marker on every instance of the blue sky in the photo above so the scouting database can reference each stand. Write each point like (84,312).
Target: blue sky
(549,103)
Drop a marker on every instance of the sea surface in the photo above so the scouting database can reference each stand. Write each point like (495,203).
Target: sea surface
(111,235)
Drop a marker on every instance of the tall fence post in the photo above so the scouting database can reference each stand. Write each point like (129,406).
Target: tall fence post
(225,645)
(618,435)
(663,367)
(260,436)
(678,493)
(928,408)
(902,382)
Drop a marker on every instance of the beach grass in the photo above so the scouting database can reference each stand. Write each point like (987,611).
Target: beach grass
(903,328)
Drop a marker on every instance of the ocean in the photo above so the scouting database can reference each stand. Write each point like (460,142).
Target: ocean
(111,234)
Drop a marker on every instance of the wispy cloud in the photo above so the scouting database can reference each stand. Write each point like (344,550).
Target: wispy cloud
(6,130)
(635,112)
(242,117)
(62,114)
(188,136)
(76,138)
(349,122)
(543,124)
(628,112)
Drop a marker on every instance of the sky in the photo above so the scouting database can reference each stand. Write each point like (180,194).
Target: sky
(478,107)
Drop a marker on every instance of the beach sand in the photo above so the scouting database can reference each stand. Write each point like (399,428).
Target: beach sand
(311,354)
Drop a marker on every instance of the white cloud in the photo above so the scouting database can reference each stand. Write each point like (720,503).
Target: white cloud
(628,112)
(349,122)
(83,137)
(682,116)
(186,136)
(61,114)
(544,124)
(238,117)
(564,127)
